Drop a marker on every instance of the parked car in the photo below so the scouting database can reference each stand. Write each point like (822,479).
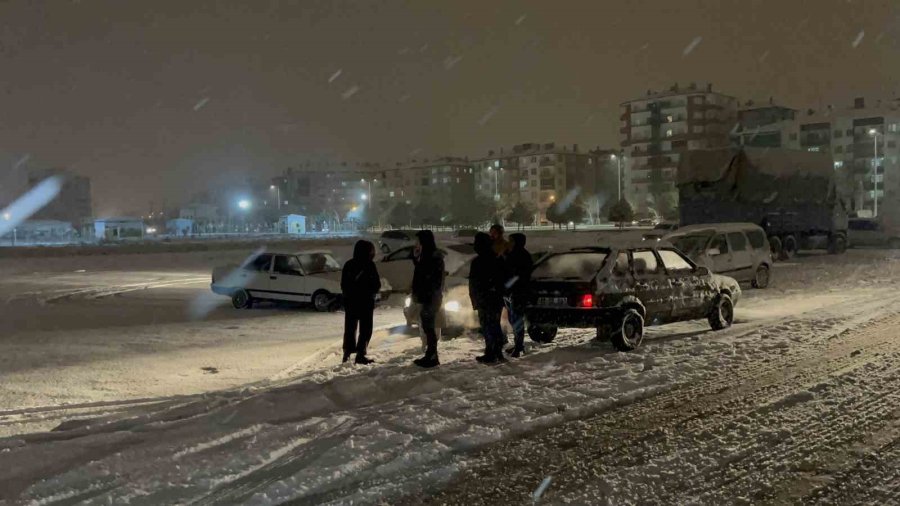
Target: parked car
(313,277)
(397,267)
(457,315)
(392,240)
(872,232)
(739,250)
(666,226)
(620,289)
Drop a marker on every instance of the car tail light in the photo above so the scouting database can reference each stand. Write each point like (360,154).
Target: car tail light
(587,300)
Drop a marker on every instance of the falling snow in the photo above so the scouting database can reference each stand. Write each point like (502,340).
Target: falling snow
(350,92)
(199,105)
(488,115)
(451,61)
(859,38)
(690,47)
(404,98)
(22,161)
(763,57)
(520,19)
(335,75)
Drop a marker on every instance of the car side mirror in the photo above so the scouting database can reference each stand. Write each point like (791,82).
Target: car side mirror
(713,252)
(703,271)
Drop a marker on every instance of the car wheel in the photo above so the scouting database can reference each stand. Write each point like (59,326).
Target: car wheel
(761,279)
(241,299)
(721,315)
(542,333)
(790,248)
(322,301)
(837,245)
(629,333)
(775,246)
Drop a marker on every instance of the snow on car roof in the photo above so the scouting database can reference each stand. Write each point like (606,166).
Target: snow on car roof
(714,227)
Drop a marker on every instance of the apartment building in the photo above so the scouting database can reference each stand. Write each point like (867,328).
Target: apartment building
(656,128)
(768,126)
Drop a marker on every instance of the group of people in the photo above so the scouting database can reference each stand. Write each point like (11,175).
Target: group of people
(499,277)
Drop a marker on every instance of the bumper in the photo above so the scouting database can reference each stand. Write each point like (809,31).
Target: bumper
(221,290)
(571,317)
(456,320)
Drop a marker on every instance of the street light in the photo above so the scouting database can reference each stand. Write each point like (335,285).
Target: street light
(874,133)
(7,216)
(244,204)
(618,175)
(496,183)
(364,196)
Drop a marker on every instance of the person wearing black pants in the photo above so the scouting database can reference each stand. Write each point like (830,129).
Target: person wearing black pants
(486,285)
(360,284)
(519,266)
(428,292)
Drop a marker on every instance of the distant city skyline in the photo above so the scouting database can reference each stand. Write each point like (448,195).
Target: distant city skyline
(154,101)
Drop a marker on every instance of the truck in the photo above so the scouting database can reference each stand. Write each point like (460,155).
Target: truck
(791,194)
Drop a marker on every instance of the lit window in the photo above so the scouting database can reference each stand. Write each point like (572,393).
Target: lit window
(668,133)
(446,179)
(814,149)
(669,118)
(457,180)
(391,194)
(496,163)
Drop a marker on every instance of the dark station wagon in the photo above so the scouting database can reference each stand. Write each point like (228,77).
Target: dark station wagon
(620,289)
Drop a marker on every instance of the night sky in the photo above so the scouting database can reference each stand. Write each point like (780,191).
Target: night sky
(157,99)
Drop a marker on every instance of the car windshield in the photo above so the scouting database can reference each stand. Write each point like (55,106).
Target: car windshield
(575,265)
(315,263)
(692,243)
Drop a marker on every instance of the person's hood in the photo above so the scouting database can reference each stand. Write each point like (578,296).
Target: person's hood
(362,251)
(483,244)
(426,239)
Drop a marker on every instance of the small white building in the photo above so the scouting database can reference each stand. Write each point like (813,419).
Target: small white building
(115,229)
(292,224)
(179,227)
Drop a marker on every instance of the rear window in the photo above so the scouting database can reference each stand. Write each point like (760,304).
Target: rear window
(395,234)
(757,239)
(690,244)
(578,265)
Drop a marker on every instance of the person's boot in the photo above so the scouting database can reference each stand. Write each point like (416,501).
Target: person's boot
(427,362)
(346,358)
(364,360)
(517,352)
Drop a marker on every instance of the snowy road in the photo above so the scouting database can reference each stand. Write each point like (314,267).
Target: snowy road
(797,402)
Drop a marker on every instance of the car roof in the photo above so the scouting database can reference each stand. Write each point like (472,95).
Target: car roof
(716,227)
(312,252)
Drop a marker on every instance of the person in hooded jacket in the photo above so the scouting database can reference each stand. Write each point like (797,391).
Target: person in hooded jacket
(428,292)
(360,284)
(518,265)
(486,286)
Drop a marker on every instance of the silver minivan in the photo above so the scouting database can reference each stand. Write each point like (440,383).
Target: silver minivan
(739,250)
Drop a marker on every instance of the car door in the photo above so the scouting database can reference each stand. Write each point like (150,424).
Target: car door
(720,255)
(651,286)
(397,268)
(254,275)
(687,296)
(741,256)
(287,281)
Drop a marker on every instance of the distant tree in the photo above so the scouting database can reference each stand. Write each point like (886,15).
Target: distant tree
(426,213)
(555,215)
(521,214)
(471,212)
(666,208)
(401,215)
(574,213)
(621,212)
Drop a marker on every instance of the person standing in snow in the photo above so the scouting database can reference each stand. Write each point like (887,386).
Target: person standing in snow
(428,292)
(486,286)
(500,245)
(360,284)
(518,267)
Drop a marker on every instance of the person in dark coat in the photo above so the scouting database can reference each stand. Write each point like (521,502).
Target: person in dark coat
(360,284)
(518,266)
(486,286)
(428,292)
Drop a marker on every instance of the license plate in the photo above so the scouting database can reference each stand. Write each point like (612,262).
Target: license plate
(553,301)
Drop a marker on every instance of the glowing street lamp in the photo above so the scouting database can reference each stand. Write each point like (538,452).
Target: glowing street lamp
(618,174)
(874,133)
(277,193)
(7,216)
(244,204)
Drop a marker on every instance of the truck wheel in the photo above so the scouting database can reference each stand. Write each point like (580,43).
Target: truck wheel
(322,301)
(629,333)
(721,315)
(837,245)
(775,246)
(542,333)
(241,299)
(761,279)
(790,248)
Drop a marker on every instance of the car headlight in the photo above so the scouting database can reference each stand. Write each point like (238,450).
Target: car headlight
(452,306)
(407,302)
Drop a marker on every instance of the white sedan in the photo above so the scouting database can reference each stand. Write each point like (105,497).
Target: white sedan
(309,276)
(397,267)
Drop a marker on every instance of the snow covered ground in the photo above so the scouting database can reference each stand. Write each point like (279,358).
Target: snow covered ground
(797,402)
